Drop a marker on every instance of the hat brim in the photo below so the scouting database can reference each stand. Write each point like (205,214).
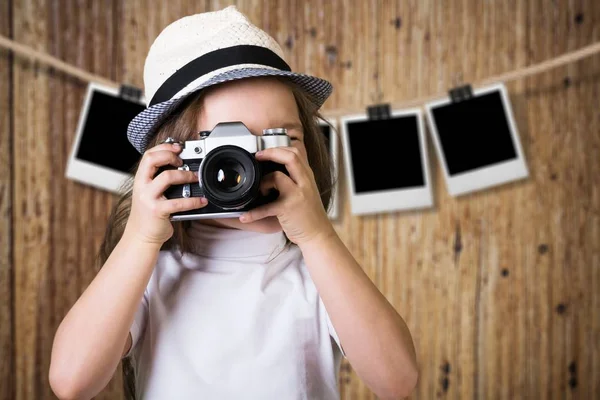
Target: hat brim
(142,127)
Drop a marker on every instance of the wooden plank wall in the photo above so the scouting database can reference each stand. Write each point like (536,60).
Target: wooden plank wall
(6,310)
(499,288)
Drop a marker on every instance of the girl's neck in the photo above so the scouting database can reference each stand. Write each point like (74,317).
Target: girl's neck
(214,222)
(216,240)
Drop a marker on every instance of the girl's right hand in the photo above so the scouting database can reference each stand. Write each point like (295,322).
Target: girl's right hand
(150,210)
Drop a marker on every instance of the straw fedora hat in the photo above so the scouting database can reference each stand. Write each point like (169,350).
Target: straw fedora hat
(203,50)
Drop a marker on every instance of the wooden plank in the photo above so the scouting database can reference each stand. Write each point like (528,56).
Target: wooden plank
(55,238)
(582,257)
(32,193)
(497,318)
(92,47)
(7,387)
(334,57)
(581,232)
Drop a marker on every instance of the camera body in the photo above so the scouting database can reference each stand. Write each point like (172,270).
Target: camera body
(229,174)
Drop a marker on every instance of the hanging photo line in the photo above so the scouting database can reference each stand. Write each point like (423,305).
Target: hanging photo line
(519,73)
(54,62)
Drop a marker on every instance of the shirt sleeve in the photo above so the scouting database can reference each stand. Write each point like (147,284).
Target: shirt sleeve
(139,323)
(332,331)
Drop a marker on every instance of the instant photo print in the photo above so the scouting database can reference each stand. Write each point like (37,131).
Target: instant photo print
(329,128)
(101,155)
(476,139)
(386,162)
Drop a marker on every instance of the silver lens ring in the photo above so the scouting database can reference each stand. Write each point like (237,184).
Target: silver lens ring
(274,131)
(170,140)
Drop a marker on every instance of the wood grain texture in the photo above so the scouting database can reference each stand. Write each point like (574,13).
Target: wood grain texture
(58,223)
(7,375)
(499,288)
(31,212)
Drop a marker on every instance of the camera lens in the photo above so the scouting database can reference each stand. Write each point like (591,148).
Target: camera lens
(230,177)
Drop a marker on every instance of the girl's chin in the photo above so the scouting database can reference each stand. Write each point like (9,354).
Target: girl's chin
(265,225)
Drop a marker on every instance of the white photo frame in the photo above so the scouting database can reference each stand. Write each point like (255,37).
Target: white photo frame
(90,173)
(390,200)
(493,174)
(331,123)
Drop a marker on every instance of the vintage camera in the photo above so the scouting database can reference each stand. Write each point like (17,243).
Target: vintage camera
(229,174)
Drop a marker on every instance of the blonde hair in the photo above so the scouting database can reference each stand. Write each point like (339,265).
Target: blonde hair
(180,125)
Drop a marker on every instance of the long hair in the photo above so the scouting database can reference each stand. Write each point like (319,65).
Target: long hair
(180,126)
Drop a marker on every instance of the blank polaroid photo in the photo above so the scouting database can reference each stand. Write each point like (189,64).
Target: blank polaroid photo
(477,140)
(101,155)
(386,162)
(329,128)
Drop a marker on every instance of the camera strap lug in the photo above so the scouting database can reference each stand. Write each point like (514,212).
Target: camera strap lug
(187,190)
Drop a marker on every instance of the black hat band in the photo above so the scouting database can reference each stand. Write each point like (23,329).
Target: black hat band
(221,58)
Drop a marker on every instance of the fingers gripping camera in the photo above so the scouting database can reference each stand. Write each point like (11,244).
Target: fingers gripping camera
(229,174)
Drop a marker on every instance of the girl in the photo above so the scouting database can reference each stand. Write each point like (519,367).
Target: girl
(263,306)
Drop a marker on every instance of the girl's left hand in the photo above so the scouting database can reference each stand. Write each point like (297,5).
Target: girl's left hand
(298,208)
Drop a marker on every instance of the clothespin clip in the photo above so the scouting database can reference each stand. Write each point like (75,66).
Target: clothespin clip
(379,111)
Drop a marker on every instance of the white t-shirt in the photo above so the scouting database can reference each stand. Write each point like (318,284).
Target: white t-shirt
(234,320)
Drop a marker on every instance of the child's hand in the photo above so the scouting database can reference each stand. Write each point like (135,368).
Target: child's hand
(150,210)
(298,207)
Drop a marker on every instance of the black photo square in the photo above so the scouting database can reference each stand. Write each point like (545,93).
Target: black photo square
(476,140)
(386,162)
(104,136)
(474,133)
(101,155)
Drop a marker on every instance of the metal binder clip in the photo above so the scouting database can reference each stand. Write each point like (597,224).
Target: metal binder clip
(460,93)
(129,92)
(379,111)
